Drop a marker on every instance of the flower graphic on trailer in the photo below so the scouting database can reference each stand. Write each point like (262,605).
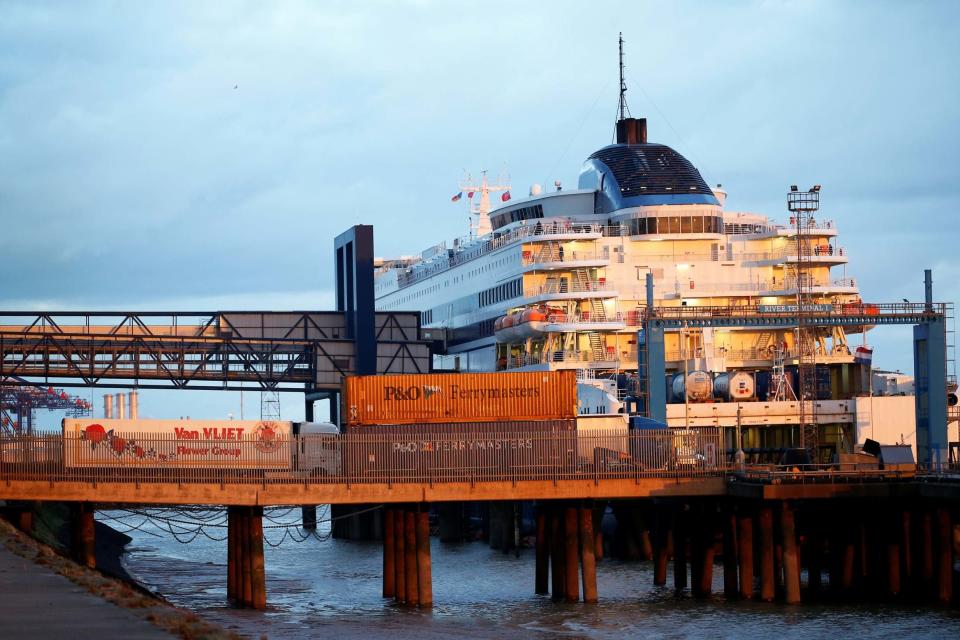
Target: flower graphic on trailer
(266,434)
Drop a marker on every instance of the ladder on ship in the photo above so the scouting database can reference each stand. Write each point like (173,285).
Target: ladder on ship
(596,346)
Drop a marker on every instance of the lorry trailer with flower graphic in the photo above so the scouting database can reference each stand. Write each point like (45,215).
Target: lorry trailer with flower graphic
(207,444)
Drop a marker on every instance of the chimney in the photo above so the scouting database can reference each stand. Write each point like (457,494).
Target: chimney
(134,405)
(121,406)
(632,131)
(107,406)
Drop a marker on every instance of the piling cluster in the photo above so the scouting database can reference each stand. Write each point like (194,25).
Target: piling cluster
(566,550)
(246,582)
(406,555)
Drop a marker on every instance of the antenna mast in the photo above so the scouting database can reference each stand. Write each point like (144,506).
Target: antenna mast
(624,109)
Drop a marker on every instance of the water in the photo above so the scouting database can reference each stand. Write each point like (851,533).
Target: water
(318,587)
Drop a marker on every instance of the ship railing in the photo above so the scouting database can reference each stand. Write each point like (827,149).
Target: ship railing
(584,317)
(572,286)
(564,256)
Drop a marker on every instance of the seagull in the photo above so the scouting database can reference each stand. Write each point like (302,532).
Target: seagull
(235,86)
(907,301)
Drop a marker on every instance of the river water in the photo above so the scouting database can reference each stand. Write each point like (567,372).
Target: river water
(325,587)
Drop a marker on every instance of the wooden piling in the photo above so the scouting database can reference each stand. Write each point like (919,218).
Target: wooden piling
(680,552)
(558,574)
(587,559)
(542,570)
(25,519)
(258,582)
(707,535)
(791,559)
(232,553)
(572,555)
(944,556)
(894,532)
(389,554)
(424,569)
(745,554)
(926,552)
(848,561)
(246,568)
(86,535)
(661,554)
(400,556)
(730,586)
(410,557)
(308,517)
(906,556)
(814,558)
(765,524)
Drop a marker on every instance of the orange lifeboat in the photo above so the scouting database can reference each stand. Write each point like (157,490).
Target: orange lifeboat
(498,324)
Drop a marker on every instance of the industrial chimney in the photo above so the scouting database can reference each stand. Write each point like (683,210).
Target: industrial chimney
(121,407)
(107,406)
(134,402)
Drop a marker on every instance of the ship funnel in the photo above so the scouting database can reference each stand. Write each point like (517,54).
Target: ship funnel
(632,131)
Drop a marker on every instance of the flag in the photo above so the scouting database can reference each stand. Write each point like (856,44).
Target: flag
(505,196)
(456,197)
(470,194)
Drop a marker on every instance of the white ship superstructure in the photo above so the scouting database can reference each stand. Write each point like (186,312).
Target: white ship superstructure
(560,280)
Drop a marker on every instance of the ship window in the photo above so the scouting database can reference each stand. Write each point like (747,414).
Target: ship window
(697,224)
(685,224)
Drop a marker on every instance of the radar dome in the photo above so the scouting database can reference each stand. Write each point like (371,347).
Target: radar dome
(535,189)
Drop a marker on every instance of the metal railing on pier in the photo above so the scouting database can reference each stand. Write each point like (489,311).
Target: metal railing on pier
(469,453)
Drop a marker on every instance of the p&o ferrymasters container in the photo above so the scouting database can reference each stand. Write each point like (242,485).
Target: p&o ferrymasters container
(459,397)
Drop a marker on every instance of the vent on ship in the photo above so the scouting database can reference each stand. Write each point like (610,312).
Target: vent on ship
(651,169)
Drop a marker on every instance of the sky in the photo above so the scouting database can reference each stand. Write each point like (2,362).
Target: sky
(203,155)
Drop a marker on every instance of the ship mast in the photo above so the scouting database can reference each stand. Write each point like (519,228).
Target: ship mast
(480,206)
(624,110)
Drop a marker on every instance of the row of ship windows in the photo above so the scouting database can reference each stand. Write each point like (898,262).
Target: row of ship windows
(675,224)
(505,291)
(523,213)
(488,267)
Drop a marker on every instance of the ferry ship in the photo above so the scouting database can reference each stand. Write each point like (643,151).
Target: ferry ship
(557,280)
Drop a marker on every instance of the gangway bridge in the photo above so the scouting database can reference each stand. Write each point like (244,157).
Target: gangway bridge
(283,351)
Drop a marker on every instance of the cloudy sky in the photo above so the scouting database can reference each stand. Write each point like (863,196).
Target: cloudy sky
(203,155)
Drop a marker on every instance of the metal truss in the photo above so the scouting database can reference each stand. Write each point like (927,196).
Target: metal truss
(281,351)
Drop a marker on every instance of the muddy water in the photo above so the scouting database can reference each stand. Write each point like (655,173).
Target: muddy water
(319,588)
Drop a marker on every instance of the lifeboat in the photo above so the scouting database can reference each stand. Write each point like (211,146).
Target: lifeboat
(504,328)
(531,322)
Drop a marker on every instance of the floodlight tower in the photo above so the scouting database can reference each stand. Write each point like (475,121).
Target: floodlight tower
(803,205)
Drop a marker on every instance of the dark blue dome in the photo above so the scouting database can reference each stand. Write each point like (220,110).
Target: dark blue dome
(635,175)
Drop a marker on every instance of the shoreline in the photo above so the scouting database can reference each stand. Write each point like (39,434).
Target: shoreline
(124,592)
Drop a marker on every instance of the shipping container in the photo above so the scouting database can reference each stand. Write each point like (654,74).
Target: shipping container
(459,397)
(477,450)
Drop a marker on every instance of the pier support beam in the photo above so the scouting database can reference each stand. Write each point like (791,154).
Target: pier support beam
(765,524)
(944,556)
(557,571)
(791,557)
(730,586)
(661,551)
(399,556)
(389,575)
(680,551)
(587,558)
(308,517)
(542,577)
(257,569)
(410,557)
(745,554)
(424,568)
(572,554)
(84,535)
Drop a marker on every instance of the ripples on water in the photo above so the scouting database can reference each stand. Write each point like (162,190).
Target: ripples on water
(320,587)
